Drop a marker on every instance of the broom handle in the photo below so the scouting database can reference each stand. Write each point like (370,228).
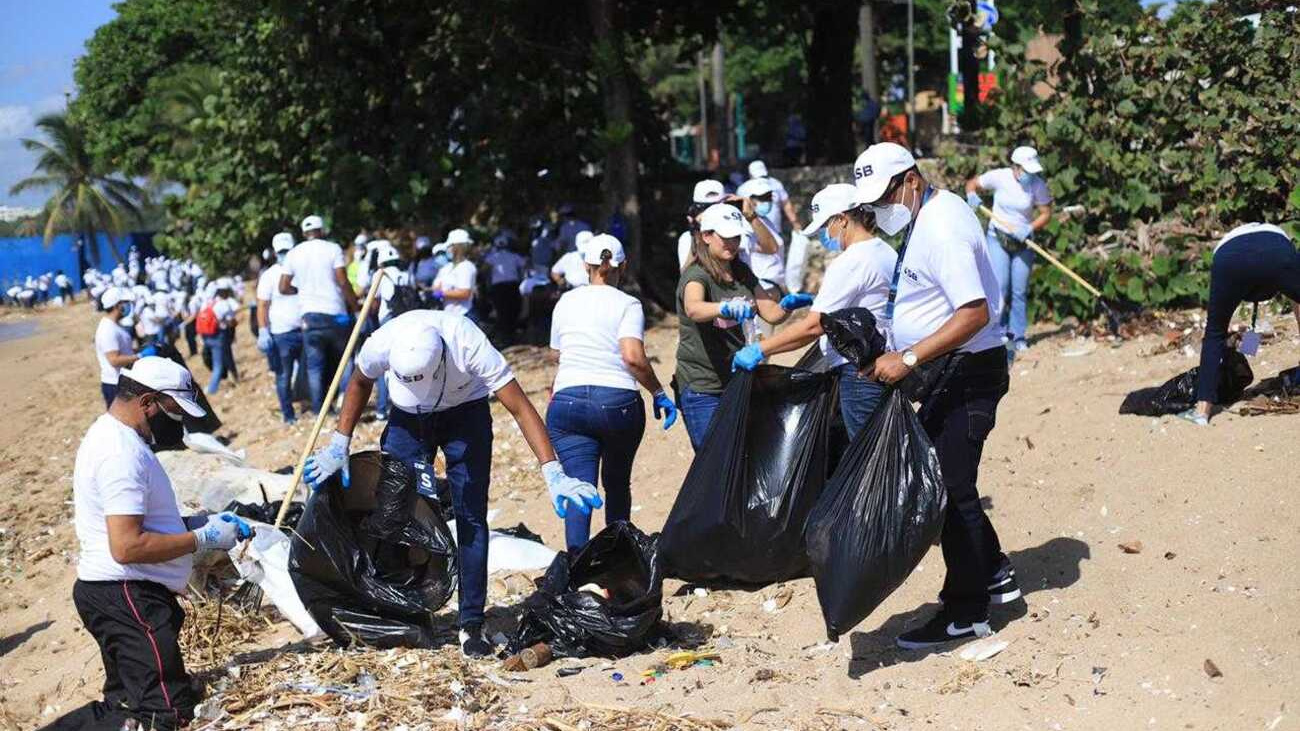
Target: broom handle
(329,398)
(1044,253)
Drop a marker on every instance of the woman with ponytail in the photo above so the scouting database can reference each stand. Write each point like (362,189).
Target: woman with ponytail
(596,416)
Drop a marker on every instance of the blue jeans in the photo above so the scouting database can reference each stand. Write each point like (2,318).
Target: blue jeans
(858,398)
(596,431)
(288,348)
(216,345)
(109,391)
(697,412)
(324,340)
(464,434)
(1012,271)
(1250,268)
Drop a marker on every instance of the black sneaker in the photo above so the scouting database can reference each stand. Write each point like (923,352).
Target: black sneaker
(941,630)
(473,642)
(1003,587)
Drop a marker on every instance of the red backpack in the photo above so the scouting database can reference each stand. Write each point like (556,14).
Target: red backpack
(206,323)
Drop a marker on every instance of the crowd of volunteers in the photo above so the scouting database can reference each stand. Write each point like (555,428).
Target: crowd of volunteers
(948,294)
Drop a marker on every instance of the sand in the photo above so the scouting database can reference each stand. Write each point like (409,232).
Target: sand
(1105,639)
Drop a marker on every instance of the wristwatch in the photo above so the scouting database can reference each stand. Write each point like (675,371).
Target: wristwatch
(909,359)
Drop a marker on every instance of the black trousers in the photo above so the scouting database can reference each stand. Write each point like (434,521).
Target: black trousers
(506,303)
(137,625)
(958,418)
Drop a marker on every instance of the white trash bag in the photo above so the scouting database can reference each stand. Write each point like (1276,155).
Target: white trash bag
(266,563)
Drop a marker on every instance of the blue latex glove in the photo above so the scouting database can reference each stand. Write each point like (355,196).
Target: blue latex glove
(566,491)
(221,532)
(328,460)
(747,358)
(795,300)
(345,319)
(148,351)
(264,340)
(973,200)
(737,310)
(665,409)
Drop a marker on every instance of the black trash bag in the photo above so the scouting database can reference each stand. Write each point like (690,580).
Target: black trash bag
(620,559)
(372,563)
(266,512)
(1178,394)
(880,513)
(740,513)
(852,332)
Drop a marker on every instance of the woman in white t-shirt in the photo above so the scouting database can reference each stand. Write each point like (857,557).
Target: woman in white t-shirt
(596,417)
(1021,205)
(455,283)
(858,277)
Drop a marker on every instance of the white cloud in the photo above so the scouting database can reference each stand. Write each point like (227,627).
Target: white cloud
(15,121)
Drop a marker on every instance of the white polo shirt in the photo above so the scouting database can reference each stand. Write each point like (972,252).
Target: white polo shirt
(117,474)
(312,264)
(945,266)
(573,269)
(110,336)
(1013,201)
(586,325)
(282,313)
(858,277)
(472,369)
(457,276)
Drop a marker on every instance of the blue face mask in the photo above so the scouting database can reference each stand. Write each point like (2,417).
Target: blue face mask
(127,309)
(1028,179)
(763,208)
(830,243)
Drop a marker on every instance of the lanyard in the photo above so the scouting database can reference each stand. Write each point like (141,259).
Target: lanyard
(898,265)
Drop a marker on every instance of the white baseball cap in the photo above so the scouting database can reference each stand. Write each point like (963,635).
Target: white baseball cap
(114,296)
(1027,158)
(166,377)
(225,283)
(360,240)
(758,169)
(282,242)
(753,188)
(458,236)
(580,240)
(313,223)
(708,191)
(422,243)
(413,359)
(875,167)
(596,246)
(388,254)
(834,199)
(723,219)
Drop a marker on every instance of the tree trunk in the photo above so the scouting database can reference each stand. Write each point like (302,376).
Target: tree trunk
(621,163)
(830,82)
(867,48)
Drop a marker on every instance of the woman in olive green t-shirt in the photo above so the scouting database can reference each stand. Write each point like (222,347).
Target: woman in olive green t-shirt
(710,313)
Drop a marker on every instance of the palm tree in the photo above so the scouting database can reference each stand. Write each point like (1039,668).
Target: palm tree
(85,200)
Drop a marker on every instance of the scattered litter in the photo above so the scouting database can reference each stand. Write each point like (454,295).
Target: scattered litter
(1170,555)
(1211,669)
(983,649)
(1131,547)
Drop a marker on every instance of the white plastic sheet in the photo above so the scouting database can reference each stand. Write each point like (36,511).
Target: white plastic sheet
(794,261)
(266,563)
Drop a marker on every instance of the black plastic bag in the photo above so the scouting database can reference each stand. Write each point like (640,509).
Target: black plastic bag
(623,561)
(740,513)
(881,512)
(266,512)
(373,562)
(1178,394)
(852,332)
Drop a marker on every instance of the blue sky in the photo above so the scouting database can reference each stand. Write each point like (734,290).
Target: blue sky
(39,41)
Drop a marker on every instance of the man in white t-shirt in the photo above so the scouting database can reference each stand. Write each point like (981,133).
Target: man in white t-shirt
(569,271)
(945,316)
(858,277)
(440,370)
(114,345)
(225,308)
(781,204)
(135,551)
(279,333)
(455,284)
(316,272)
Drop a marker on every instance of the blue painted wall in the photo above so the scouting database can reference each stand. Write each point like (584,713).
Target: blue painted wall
(20,257)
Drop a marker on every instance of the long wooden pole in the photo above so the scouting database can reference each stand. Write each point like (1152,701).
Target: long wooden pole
(329,398)
(1044,253)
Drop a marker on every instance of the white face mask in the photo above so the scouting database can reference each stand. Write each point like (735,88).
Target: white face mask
(892,217)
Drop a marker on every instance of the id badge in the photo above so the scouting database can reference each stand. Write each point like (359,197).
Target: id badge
(1249,344)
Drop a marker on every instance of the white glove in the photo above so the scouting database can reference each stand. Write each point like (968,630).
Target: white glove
(328,460)
(569,490)
(264,340)
(220,532)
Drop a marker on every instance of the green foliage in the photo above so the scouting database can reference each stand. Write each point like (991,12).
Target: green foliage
(83,198)
(1185,125)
